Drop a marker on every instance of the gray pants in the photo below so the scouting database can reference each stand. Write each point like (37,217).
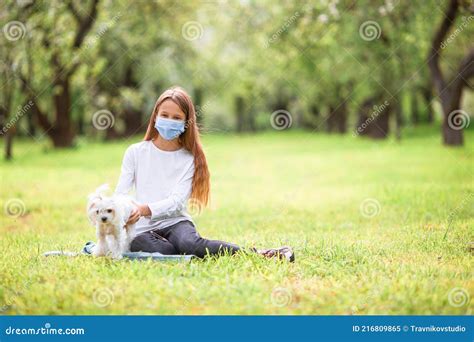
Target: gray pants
(180,238)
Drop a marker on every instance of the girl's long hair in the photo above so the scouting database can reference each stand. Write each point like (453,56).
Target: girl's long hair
(190,140)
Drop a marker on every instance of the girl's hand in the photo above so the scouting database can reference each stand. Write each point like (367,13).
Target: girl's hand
(134,216)
(144,210)
(139,211)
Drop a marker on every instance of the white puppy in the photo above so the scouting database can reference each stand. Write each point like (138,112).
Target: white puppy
(109,214)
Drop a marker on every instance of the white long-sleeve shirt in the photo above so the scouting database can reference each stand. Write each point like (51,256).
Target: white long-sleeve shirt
(162,180)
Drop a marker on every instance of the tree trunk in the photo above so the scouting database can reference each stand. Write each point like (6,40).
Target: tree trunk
(337,119)
(452,136)
(198,95)
(7,132)
(251,120)
(374,115)
(398,118)
(31,124)
(133,121)
(239,113)
(80,124)
(427,95)
(62,134)
(9,142)
(379,128)
(449,92)
(6,106)
(314,110)
(330,120)
(60,131)
(112,134)
(312,123)
(415,117)
(363,120)
(341,118)
(132,116)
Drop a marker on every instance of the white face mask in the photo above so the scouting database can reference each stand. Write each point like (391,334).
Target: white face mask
(169,129)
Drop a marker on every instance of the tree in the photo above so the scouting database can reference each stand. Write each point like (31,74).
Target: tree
(450,91)
(58,51)
(8,125)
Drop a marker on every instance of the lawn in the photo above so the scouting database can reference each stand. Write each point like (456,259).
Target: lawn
(377,227)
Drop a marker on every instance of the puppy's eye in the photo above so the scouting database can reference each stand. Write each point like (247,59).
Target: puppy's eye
(109,210)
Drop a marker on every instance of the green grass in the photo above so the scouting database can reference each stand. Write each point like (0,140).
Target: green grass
(277,188)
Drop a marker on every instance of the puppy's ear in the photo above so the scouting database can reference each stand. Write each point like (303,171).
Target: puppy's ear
(101,190)
(90,205)
(99,193)
(91,215)
(94,197)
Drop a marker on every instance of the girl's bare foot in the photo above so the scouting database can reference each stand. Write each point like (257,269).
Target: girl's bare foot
(285,253)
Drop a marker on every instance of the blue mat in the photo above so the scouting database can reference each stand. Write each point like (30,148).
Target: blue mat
(87,250)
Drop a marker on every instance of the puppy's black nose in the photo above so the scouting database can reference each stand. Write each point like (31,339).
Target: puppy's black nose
(103,219)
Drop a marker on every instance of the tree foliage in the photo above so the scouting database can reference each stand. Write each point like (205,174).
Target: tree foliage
(365,67)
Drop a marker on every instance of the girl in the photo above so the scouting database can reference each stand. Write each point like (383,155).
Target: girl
(167,169)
